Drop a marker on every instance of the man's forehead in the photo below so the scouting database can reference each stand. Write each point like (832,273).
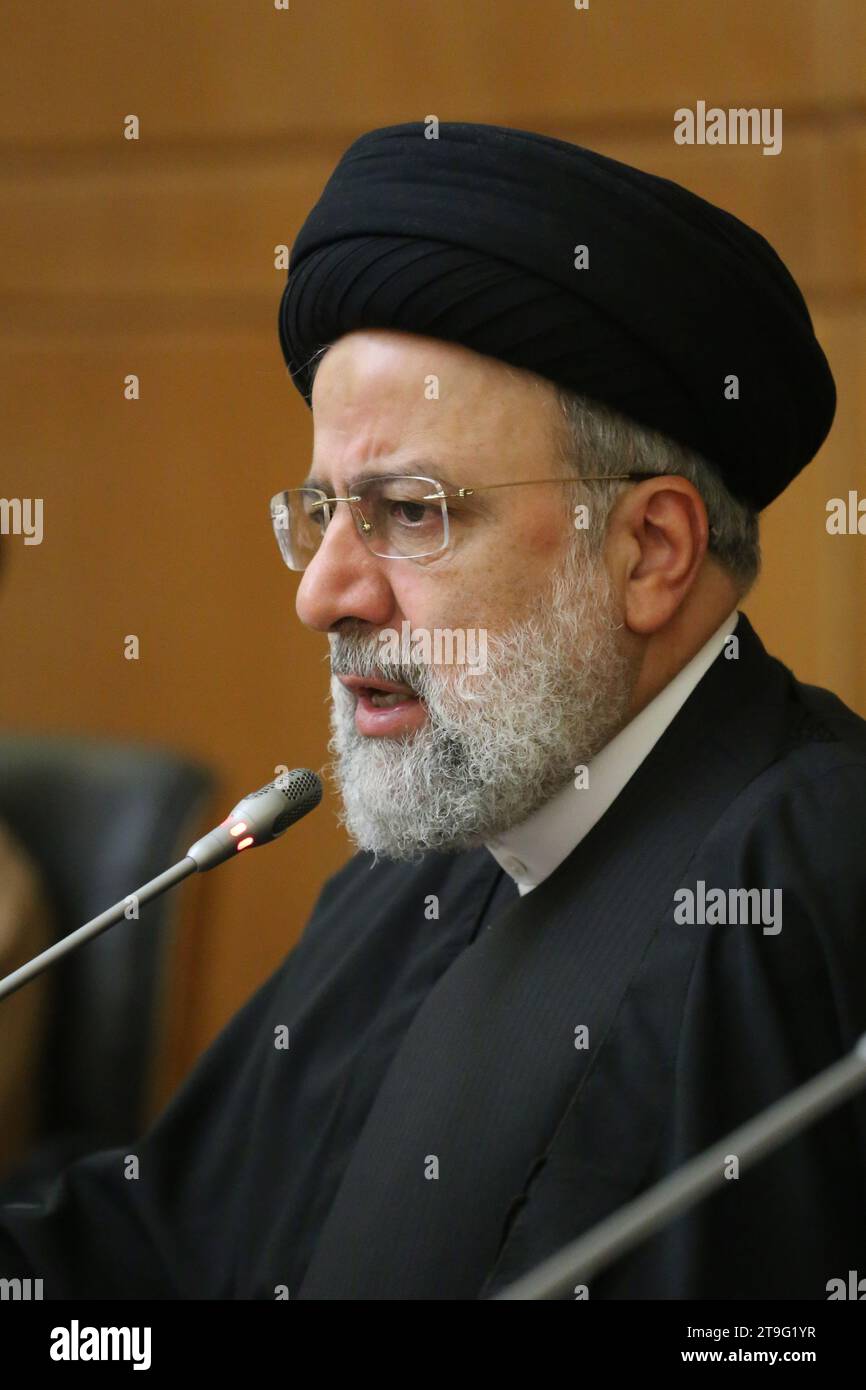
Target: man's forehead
(396,402)
(379,366)
(368,440)
(393,419)
(377,349)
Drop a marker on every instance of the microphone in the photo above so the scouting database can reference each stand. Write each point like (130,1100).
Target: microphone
(259,818)
(256,820)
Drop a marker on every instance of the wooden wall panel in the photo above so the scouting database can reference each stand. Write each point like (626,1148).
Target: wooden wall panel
(159,231)
(223,70)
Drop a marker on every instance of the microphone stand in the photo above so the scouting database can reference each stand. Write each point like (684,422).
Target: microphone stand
(157,885)
(683,1188)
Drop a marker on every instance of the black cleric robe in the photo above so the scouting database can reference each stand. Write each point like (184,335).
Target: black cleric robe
(473,1079)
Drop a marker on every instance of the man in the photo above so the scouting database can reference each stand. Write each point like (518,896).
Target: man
(609,899)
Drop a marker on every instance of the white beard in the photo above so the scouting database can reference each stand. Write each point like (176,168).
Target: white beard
(494,748)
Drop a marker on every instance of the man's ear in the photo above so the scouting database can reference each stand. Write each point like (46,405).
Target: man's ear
(658,537)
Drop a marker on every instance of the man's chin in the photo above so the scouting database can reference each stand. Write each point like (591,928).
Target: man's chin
(392,842)
(393,821)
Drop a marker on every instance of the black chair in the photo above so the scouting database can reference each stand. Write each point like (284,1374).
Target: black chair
(99,819)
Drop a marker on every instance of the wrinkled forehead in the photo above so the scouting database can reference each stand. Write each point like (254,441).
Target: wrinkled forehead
(384,395)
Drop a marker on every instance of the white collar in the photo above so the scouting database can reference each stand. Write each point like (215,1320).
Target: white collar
(530,851)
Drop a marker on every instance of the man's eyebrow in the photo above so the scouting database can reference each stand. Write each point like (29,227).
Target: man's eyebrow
(424,468)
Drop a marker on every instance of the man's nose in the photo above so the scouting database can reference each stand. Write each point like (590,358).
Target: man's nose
(343,580)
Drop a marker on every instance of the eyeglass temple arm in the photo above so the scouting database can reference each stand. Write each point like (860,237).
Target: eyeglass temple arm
(524,482)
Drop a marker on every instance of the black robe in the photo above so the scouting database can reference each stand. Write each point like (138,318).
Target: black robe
(436,1126)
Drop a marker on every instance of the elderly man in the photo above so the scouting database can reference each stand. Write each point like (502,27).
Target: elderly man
(609,897)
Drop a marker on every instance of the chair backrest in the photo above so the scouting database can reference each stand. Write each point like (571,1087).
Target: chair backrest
(99,819)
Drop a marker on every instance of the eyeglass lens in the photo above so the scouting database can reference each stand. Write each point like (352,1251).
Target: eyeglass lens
(391,516)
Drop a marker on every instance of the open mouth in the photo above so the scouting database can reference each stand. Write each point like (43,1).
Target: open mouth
(386,699)
(384,708)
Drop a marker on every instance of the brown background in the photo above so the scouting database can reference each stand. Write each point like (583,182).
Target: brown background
(157,257)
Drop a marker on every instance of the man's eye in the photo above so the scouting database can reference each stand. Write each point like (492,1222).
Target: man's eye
(411,513)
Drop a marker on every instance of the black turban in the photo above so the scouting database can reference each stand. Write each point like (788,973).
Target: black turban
(471,238)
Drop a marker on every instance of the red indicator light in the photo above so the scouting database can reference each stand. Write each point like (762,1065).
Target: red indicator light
(239,828)
(244,844)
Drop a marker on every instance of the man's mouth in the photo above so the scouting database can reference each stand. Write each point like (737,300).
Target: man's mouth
(383,694)
(374,695)
(380,700)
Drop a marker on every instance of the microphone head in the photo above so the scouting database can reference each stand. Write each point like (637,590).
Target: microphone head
(272,809)
(259,817)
